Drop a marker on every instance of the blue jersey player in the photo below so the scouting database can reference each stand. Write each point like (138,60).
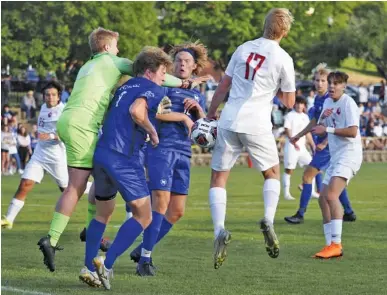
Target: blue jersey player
(117,164)
(321,158)
(169,164)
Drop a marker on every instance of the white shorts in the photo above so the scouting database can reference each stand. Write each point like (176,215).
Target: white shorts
(35,171)
(340,170)
(262,150)
(292,157)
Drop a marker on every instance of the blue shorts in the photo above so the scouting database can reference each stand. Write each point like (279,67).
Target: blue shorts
(114,172)
(168,171)
(321,159)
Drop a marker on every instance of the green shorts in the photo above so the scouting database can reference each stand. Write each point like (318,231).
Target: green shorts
(80,144)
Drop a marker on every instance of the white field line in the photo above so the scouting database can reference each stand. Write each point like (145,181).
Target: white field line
(29,292)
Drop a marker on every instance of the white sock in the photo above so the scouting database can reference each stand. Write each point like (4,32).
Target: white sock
(217,198)
(128,215)
(337,228)
(313,185)
(14,209)
(271,192)
(328,233)
(145,253)
(286,183)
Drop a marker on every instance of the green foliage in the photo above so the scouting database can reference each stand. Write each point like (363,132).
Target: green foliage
(364,37)
(47,34)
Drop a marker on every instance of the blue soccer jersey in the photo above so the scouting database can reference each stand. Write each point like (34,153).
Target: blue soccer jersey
(120,133)
(318,107)
(173,136)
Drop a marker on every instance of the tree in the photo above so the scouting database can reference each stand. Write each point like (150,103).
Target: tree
(364,37)
(48,34)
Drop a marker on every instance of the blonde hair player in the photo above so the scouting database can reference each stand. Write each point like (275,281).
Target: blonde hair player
(340,120)
(258,70)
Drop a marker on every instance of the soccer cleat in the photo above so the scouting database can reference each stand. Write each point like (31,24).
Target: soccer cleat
(350,217)
(145,269)
(103,246)
(135,255)
(295,219)
(331,251)
(5,223)
(271,240)
(48,252)
(220,247)
(289,197)
(104,274)
(90,277)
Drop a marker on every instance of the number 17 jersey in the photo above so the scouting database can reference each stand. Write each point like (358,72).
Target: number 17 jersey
(258,68)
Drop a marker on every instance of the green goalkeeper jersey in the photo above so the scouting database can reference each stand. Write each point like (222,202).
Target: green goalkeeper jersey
(91,93)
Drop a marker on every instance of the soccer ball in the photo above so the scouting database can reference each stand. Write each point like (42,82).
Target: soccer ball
(204,132)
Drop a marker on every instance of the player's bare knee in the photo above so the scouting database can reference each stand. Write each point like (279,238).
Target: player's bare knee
(175,215)
(219,178)
(272,173)
(160,201)
(24,188)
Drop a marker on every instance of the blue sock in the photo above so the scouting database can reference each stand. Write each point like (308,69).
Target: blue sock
(127,208)
(150,236)
(125,237)
(306,194)
(344,200)
(319,179)
(164,229)
(94,235)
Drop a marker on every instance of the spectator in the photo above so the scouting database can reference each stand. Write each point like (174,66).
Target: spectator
(66,94)
(310,99)
(382,91)
(361,108)
(6,114)
(363,93)
(34,137)
(24,143)
(6,139)
(13,154)
(29,105)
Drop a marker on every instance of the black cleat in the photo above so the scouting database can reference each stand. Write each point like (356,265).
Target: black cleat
(145,269)
(135,255)
(48,252)
(105,243)
(295,219)
(350,217)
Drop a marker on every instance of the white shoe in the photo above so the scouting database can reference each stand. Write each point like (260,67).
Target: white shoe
(104,274)
(90,277)
(315,195)
(288,197)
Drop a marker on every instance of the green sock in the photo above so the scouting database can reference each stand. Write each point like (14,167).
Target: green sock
(91,210)
(58,225)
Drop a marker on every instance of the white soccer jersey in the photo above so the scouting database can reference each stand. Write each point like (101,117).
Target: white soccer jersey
(344,150)
(49,151)
(296,122)
(258,68)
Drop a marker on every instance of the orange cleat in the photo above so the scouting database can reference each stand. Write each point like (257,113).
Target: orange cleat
(331,251)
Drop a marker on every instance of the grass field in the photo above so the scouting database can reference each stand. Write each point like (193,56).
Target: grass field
(184,258)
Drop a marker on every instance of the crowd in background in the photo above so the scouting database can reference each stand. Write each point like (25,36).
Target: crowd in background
(17,144)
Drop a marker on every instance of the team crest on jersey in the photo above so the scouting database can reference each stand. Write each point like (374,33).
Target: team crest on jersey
(338,111)
(149,94)
(196,97)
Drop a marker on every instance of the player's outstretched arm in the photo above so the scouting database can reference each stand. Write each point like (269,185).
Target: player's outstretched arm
(343,132)
(176,117)
(219,96)
(139,113)
(305,131)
